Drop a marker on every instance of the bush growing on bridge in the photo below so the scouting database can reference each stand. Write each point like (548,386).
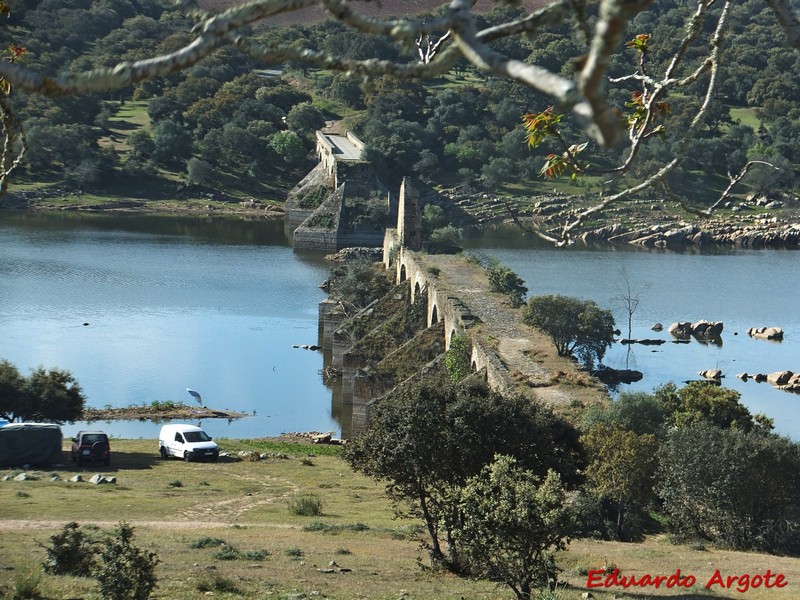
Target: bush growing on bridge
(457,358)
(504,280)
(577,327)
(357,283)
(444,240)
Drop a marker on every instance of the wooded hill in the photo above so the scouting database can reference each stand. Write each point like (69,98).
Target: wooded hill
(224,125)
(395,8)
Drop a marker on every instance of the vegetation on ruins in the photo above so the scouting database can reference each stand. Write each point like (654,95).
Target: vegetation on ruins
(577,327)
(504,280)
(357,283)
(458,356)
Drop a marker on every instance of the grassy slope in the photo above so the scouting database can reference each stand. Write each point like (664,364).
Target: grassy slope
(245,504)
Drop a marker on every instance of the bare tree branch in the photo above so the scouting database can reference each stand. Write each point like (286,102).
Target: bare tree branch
(614,15)
(735,179)
(576,219)
(788,19)
(11,133)
(215,33)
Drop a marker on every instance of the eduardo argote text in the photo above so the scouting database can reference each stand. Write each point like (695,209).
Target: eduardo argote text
(601,578)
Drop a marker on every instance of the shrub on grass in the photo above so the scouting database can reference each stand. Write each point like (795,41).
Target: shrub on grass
(207,542)
(216,583)
(227,553)
(309,505)
(26,585)
(254,554)
(124,571)
(70,552)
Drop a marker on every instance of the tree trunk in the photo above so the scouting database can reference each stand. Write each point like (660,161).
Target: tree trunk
(621,519)
(524,591)
(436,551)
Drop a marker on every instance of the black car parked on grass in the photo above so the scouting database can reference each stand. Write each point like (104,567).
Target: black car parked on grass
(90,446)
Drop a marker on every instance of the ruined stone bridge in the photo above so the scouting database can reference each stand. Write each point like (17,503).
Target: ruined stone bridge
(456,296)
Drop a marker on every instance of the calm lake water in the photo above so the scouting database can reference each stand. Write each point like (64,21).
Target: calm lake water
(217,304)
(741,288)
(171,303)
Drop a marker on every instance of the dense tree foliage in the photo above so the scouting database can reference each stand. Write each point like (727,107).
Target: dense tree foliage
(622,467)
(639,412)
(578,327)
(426,440)
(686,451)
(739,490)
(700,401)
(449,132)
(45,395)
(513,522)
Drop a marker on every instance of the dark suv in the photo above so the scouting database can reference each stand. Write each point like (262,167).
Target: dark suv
(90,446)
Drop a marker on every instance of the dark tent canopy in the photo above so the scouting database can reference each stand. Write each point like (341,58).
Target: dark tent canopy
(30,444)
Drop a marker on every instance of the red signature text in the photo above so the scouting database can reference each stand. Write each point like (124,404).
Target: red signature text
(747,581)
(614,579)
(600,578)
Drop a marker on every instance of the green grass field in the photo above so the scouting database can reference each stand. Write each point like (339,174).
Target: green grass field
(185,512)
(746,116)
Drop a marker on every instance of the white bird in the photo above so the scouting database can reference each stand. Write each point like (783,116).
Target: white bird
(195,395)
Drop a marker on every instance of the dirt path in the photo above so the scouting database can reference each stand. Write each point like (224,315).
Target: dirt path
(44,524)
(238,505)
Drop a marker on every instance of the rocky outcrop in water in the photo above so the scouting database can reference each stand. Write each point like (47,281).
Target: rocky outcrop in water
(699,329)
(712,374)
(783,380)
(766,333)
(745,226)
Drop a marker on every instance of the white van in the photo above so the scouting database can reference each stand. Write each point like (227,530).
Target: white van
(187,442)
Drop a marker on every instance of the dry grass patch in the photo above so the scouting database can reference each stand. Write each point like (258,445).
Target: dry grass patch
(228,530)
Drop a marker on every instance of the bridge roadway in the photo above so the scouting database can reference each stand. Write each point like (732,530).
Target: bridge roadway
(343,148)
(529,356)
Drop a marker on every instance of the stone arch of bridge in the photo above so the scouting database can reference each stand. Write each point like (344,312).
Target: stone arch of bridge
(422,290)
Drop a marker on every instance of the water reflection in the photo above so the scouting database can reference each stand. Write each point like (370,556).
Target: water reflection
(741,288)
(171,302)
(218,303)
